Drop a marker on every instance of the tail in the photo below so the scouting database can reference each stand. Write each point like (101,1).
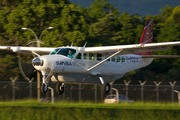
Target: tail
(147,36)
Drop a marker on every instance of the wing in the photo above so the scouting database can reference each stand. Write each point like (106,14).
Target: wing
(132,49)
(20,49)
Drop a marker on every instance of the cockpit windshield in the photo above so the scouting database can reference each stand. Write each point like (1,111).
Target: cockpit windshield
(69,52)
(54,51)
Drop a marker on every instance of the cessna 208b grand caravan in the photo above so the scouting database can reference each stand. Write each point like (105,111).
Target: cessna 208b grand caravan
(97,65)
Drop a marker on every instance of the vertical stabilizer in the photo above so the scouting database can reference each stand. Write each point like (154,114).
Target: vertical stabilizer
(147,36)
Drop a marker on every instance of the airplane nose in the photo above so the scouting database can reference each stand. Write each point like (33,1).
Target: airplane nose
(37,62)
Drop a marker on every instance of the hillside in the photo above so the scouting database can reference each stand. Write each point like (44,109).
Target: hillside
(141,7)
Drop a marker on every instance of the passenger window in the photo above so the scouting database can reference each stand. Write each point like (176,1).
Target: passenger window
(118,58)
(108,59)
(78,56)
(123,59)
(99,57)
(113,59)
(91,56)
(85,56)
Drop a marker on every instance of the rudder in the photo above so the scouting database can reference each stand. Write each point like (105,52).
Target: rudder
(147,36)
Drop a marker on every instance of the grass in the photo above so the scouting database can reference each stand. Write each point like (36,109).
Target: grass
(137,105)
(33,110)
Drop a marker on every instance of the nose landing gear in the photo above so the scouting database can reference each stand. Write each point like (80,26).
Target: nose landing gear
(44,88)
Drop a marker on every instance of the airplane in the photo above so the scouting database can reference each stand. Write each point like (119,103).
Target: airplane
(96,65)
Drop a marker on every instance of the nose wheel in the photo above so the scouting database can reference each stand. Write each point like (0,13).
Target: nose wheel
(44,88)
(45,80)
(60,88)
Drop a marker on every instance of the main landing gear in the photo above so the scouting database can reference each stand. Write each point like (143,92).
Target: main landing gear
(105,88)
(59,88)
(44,86)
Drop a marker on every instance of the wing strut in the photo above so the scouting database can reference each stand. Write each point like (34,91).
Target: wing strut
(104,60)
(35,53)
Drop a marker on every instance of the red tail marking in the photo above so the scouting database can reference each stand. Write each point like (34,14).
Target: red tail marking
(147,36)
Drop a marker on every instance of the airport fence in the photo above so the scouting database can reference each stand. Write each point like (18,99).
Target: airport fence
(12,91)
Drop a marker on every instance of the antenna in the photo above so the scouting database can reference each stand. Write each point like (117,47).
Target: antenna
(85,44)
(71,44)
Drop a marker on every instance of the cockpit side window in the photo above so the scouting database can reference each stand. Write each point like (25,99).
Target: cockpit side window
(69,52)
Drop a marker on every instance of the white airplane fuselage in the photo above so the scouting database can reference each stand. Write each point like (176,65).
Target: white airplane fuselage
(100,65)
(74,70)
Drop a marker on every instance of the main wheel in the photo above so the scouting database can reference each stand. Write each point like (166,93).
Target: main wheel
(59,88)
(106,88)
(44,88)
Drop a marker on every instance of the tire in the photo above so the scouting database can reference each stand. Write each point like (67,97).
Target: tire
(59,88)
(106,88)
(43,89)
